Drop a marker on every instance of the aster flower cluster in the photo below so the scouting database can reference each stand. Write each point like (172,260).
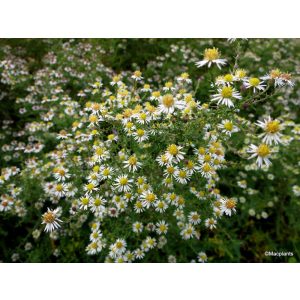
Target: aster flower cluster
(137,160)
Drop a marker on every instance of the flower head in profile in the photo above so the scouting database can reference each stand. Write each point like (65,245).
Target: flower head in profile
(211,56)
(280,79)
(137,75)
(202,257)
(51,220)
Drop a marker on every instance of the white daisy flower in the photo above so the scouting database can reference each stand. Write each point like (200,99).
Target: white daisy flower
(137,227)
(174,153)
(84,202)
(163,160)
(227,80)
(162,227)
(188,231)
(225,96)
(168,87)
(160,206)
(118,248)
(142,117)
(51,220)
(61,174)
(138,206)
(271,131)
(206,170)
(155,95)
(100,154)
(148,198)
(211,223)
(280,79)
(184,77)
(194,218)
(211,56)
(122,183)
(137,76)
(228,127)
(60,190)
(168,103)
(140,135)
(262,154)
(97,204)
(105,172)
(146,88)
(254,83)
(90,187)
(182,175)
(132,163)
(228,206)
(202,257)
(95,247)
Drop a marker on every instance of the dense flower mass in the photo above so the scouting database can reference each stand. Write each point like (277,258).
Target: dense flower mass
(149,164)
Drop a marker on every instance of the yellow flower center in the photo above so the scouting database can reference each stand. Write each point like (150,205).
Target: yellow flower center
(99,151)
(170,170)
(139,204)
(207,158)
(140,132)
(132,160)
(168,100)
(137,73)
(140,180)
(206,168)
(119,245)
(240,73)
(168,84)
(254,81)
(61,172)
(211,54)
(272,126)
(173,150)
(106,172)
(90,186)
(116,78)
(97,202)
(184,75)
(182,174)
(275,73)
(230,203)
(123,181)
(156,94)
(228,126)
(85,201)
(59,188)
(95,106)
(190,164)
(150,197)
(228,78)
(49,217)
(227,92)
(143,116)
(201,150)
(263,150)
